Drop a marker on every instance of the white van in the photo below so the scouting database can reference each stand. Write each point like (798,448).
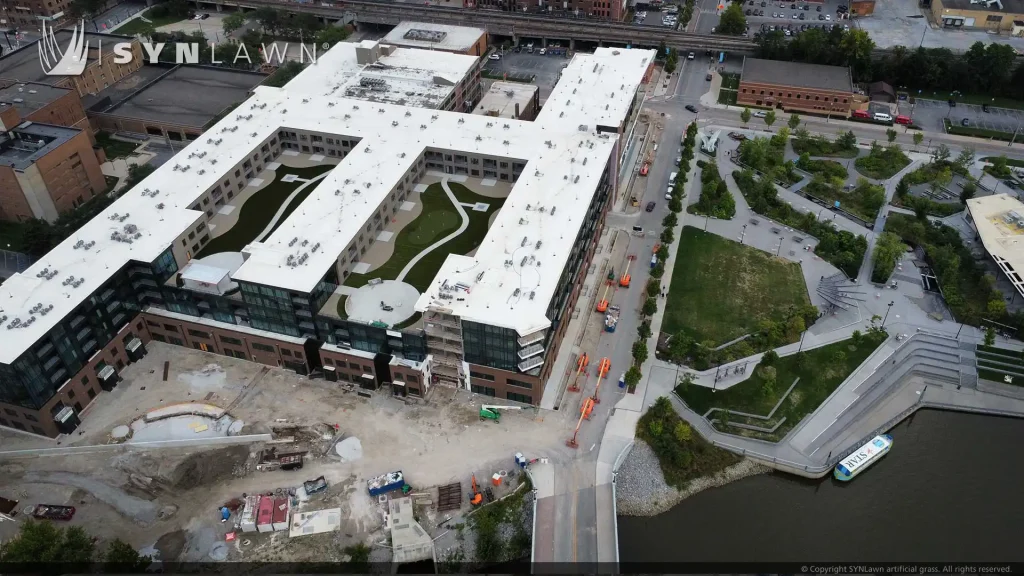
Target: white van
(672,178)
(882,117)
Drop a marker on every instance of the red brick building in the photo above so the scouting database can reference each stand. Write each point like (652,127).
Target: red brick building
(796,87)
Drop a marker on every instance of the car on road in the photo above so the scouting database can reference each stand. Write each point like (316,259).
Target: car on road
(494,57)
(689,56)
(747,12)
(760,114)
(204,16)
(543,51)
(691,108)
(737,136)
(821,17)
(984,107)
(828,17)
(801,15)
(708,76)
(650,207)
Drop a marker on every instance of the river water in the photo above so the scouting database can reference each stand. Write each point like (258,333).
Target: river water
(951,489)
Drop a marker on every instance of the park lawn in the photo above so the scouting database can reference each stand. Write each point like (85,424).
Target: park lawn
(138,25)
(295,203)
(731,81)
(727,97)
(822,371)
(721,289)
(259,210)
(682,454)
(437,220)
(864,201)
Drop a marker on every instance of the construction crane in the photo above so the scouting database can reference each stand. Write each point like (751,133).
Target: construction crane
(603,304)
(624,281)
(602,371)
(588,406)
(477,496)
(492,412)
(581,365)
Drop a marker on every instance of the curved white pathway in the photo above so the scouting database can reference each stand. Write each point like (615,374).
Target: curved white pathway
(287,202)
(432,247)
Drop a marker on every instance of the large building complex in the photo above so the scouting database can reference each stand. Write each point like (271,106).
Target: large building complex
(1001,16)
(999,222)
(443,37)
(796,87)
(486,310)
(23,65)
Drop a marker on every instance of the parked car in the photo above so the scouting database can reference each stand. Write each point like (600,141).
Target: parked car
(984,107)
(689,56)
(801,15)
(818,8)
(708,76)
(645,169)
(737,136)
(902,119)
(543,51)
(691,108)
(861,114)
(494,57)
(965,122)
(650,207)
(760,114)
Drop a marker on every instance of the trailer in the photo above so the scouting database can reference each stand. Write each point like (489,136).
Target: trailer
(385,483)
(270,460)
(265,515)
(51,512)
(611,319)
(247,520)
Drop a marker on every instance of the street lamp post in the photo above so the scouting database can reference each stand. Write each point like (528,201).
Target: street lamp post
(887,313)
(744,234)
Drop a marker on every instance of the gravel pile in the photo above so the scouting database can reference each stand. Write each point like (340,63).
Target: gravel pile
(640,488)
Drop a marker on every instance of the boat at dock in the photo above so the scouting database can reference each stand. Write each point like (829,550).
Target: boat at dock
(861,458)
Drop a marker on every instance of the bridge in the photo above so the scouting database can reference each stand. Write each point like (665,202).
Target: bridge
(508,24)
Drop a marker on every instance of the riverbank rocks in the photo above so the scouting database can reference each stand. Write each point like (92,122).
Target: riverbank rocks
(640,488)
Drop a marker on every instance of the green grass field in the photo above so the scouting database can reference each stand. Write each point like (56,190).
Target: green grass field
(139,25)
(821,371)
(260,208)
(722,289)
(438,219)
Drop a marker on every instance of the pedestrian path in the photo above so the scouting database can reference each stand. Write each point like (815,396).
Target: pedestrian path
(462,228)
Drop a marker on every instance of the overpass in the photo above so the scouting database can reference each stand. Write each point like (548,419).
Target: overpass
(506,23)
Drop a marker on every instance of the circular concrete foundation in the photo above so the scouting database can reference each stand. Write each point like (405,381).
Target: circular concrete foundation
(390,302)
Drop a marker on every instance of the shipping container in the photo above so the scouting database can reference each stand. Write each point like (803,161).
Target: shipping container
(281,513)
(265,515)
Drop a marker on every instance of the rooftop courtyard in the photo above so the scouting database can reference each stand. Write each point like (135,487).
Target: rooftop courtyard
(443,214)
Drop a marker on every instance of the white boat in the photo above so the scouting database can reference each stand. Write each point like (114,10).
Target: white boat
(863,457)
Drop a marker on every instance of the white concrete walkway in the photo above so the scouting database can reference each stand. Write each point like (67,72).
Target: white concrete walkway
(439,243)
(284,205)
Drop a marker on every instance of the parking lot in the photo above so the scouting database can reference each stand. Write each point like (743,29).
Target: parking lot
(789,14)
(544,69)
(655,18)
(929,114)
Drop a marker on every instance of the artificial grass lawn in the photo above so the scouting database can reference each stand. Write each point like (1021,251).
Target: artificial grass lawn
(438,219)
(722,289)
(820,374)
(115,148)
(260,208)
(996,375)
(727,97)
(138,25)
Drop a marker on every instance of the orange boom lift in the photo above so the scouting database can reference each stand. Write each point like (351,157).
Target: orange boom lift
(602,306)
(581,365)
(588,406)
(602,371)
(624,281)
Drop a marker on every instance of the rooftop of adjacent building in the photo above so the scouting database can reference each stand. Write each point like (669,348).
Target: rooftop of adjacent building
(994,6)
(433,36)
(383,73)
(182,95)
(501,99)
(797,74)
(27,97)
(23,63)
(999,219)
(522,254)
(30,141)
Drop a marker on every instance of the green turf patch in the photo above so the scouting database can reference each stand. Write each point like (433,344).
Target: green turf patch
(727,97)
(1000,351)
(438,219)
(138,25)
(260,208)
(820,370)
(1000,376)
(115,148)
(722,289)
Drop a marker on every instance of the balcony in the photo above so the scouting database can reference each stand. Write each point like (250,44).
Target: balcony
(532,338)
(530,351)
(530,363)
(443,320)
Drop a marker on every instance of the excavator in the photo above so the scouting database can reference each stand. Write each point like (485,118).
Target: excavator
(602,306)
(624,281)
(477,496)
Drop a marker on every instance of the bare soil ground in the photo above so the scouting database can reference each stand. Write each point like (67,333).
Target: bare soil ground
(169,498)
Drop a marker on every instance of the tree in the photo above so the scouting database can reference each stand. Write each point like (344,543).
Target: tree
(888,250)
(633,376)
(87,9)
(794,121)
(650,307)
(768,375)
(662,254)
(658,271)
(330,36)
(682,431)
(918,138)
(968,192)
(990,336)
(38,237)
(941,153)
(996,307)
(769,118)
(45,542)
(745,116)
(120,557)
(233,22)
(667,236)
(644,330)
(670,221)
(891,135)
(769,358)
(847,140)
(685,382)
(857,337)
(965,158)
(902,188)
(640,351)
(732,20)
(269,19)
(653,288)
(999,168)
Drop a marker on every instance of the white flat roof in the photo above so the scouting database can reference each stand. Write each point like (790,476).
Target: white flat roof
(431,36)
(1000,222)
(561,175)
(501,99)
(404,77)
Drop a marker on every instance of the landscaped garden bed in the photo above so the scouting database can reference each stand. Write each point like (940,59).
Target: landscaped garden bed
(844,146)
(683,455)
(882,163)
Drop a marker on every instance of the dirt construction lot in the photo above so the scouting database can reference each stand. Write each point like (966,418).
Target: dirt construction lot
(169,498)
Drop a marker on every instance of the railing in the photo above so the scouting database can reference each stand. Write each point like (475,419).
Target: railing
(530,351)
(531,363)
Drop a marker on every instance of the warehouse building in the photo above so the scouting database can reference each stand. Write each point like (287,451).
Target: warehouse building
(796,87)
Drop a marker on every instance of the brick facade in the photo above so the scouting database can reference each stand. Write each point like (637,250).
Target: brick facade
(795,99)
